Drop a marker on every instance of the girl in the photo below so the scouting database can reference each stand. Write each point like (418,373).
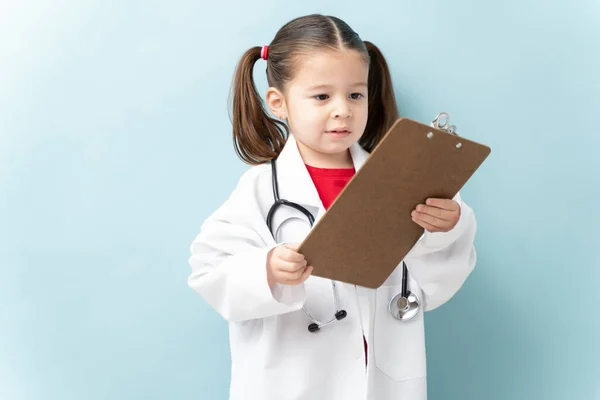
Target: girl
(332,96)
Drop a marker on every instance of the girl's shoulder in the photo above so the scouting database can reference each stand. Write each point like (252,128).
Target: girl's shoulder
(255,174)
(252,192)
(254,181)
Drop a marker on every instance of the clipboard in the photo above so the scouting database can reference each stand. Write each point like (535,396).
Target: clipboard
(367,231)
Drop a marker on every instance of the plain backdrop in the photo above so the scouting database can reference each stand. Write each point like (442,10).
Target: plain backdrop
(115,145)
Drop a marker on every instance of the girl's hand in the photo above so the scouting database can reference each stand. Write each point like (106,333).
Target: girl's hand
(437,215)
(286,266)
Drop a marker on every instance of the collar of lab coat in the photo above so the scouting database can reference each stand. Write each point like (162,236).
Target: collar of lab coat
(294,181)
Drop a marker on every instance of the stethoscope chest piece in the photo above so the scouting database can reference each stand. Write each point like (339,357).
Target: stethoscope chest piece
(403,307)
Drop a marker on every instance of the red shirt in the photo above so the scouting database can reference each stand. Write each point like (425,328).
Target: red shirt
(329,182)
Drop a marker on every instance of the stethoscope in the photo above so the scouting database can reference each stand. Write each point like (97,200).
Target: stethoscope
(403,306)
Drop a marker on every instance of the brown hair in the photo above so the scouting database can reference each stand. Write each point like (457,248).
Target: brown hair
(259,138)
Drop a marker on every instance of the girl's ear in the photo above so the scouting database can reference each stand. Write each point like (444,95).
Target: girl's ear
(276,103)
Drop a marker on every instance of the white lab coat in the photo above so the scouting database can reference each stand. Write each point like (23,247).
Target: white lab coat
(274,356)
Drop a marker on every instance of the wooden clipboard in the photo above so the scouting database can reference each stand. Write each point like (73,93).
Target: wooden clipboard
(368,230)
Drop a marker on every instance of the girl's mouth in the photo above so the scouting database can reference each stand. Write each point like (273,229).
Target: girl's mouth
(342,132)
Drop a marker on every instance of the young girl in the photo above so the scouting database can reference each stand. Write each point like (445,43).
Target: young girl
(332,98)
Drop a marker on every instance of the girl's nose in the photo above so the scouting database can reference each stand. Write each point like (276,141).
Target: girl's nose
(342,111)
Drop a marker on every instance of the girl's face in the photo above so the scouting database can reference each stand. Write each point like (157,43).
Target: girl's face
(325,105)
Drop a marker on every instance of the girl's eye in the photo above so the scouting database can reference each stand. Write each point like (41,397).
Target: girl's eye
(321,97)
(356,96)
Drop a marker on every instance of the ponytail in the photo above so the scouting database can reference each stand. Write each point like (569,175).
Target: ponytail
(257,137)
(383,111)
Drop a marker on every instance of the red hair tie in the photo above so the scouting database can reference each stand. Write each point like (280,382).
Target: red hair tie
(264,52)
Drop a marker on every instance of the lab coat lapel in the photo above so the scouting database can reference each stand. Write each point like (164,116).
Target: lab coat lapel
(359,155)
(295,183)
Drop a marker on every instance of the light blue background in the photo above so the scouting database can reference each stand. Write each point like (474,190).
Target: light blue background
(115,144)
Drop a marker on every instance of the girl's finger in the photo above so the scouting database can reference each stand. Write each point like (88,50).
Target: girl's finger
(293,278)
(426,226)
(288,266)
(436,212)
(292,255)
(438,223)
(445,204)
(305,275)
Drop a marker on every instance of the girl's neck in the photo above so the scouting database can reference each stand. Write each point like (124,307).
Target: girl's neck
(323,160)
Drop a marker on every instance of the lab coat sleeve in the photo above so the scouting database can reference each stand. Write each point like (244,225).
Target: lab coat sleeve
(229,262)
(440,262)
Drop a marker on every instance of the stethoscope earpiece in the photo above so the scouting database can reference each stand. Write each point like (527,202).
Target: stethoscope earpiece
(314,327)
(340,315)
